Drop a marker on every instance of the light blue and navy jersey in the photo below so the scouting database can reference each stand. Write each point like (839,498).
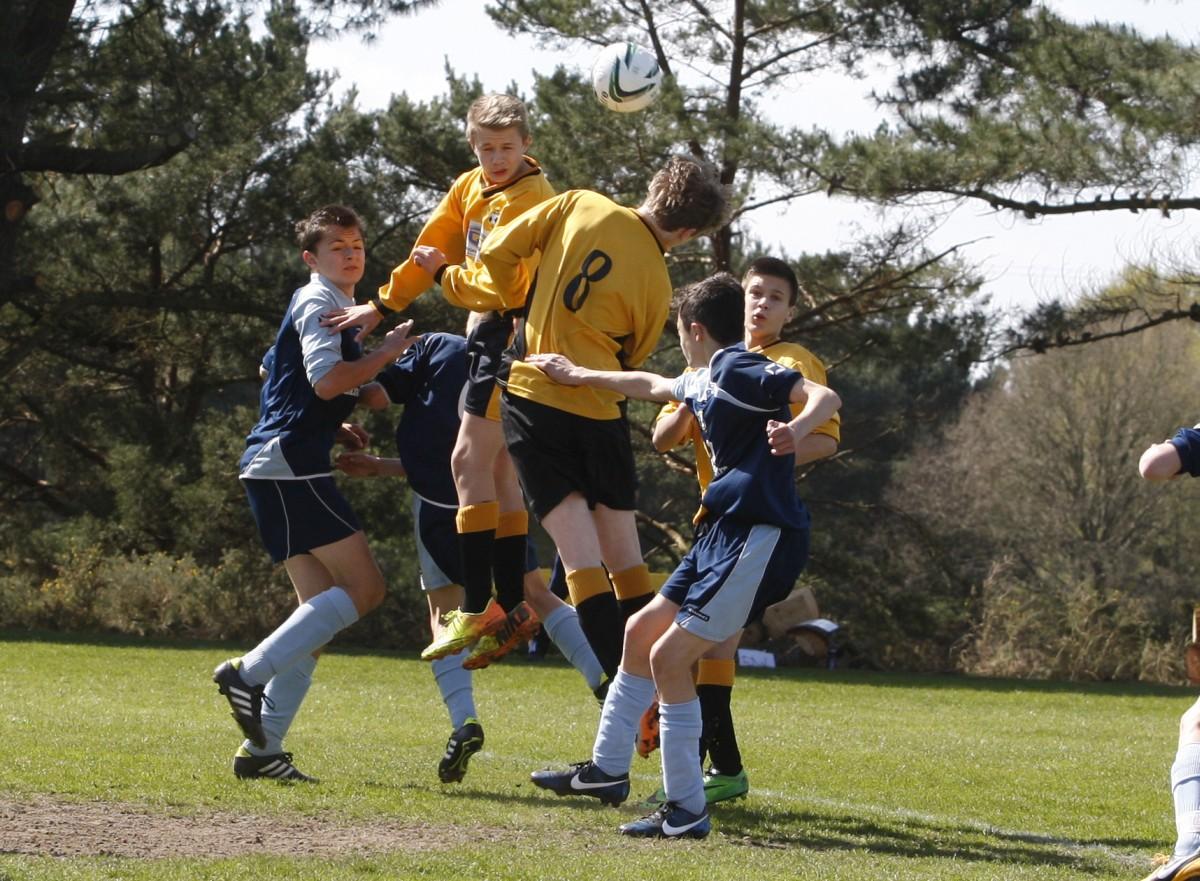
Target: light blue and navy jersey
(1187,443)
(732,399)
(296,429)
(429,380)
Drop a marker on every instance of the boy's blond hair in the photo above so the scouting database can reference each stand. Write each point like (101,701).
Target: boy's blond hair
(497,112)
(687,194)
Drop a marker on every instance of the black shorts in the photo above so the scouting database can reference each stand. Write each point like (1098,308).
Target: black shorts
(485,347)
(557,453)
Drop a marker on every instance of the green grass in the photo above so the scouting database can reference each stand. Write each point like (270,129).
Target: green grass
(852,775)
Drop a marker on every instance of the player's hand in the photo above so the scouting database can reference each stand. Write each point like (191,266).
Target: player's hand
(357,464)
(781,438)
(365,317)
(558,367)
(398,339)
(352,437)
(429,258)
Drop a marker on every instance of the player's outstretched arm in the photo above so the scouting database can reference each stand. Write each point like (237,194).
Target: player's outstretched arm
(672,427)
(631,383)
(360,464)
(366,317)
(819,404)
(1160,462)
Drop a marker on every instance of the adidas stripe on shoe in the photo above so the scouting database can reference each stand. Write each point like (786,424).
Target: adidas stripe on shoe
(464,742)
(245,701)
(273,767)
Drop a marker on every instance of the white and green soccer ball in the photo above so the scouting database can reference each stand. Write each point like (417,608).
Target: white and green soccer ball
(626,77)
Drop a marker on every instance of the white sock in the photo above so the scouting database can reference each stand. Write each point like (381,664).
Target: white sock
(1185,790)
(307,629)
(562,626)
(679,728)
(455,685)
(281,701)
(628,697)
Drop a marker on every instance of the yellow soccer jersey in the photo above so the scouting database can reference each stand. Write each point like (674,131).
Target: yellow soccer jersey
(789,355)
(462,220)
(601,294)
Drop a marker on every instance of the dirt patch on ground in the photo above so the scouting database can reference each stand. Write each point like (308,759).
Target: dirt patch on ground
(44,827)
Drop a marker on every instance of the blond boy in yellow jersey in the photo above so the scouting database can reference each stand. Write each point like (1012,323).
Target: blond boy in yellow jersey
(771,292)
(601,297)
(492,520)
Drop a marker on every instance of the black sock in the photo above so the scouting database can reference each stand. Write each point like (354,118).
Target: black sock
(719,735)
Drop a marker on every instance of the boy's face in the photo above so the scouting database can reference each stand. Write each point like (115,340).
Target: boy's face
(500,152)
(340,256)
(767,307)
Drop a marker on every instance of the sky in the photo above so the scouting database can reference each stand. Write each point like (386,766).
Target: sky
(1023,262)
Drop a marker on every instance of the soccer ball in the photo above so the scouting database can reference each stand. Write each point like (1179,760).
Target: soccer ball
(626,77)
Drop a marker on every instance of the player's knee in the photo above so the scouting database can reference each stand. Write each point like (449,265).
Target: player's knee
(368,594)
(1189,724)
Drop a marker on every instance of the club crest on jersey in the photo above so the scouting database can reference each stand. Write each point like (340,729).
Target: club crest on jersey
(475,236)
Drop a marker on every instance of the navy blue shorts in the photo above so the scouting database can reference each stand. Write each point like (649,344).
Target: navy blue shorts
(296,516)
(438,552)
(732,573)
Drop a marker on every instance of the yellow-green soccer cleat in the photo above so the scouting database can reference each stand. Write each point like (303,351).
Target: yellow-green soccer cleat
(461,629)
(721,787)
(519,625)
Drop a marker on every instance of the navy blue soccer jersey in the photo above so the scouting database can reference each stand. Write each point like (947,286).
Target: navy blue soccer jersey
(1187,443)
(296,428)
(733,399)
(429,379)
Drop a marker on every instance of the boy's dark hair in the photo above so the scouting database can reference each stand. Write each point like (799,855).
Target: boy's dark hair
(775,268)
(716,303)
(687,194)
(310,230)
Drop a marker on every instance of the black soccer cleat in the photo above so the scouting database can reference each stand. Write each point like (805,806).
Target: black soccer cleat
(464,742)
(670,821)
(275,767)
(244,700)
(584,778)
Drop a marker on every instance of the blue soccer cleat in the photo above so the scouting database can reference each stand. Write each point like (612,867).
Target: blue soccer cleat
(670,821)
(584,778)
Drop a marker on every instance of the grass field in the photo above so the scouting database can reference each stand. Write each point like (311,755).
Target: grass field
(122,751)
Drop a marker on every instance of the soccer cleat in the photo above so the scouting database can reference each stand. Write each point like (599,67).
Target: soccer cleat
(670,821)
(275,767)
(518,626)
(651,802)
(461,629)
(464,742)
(721,787)
(584,778)
(1184,868)
(244,700)
(648,739)
(601,691)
